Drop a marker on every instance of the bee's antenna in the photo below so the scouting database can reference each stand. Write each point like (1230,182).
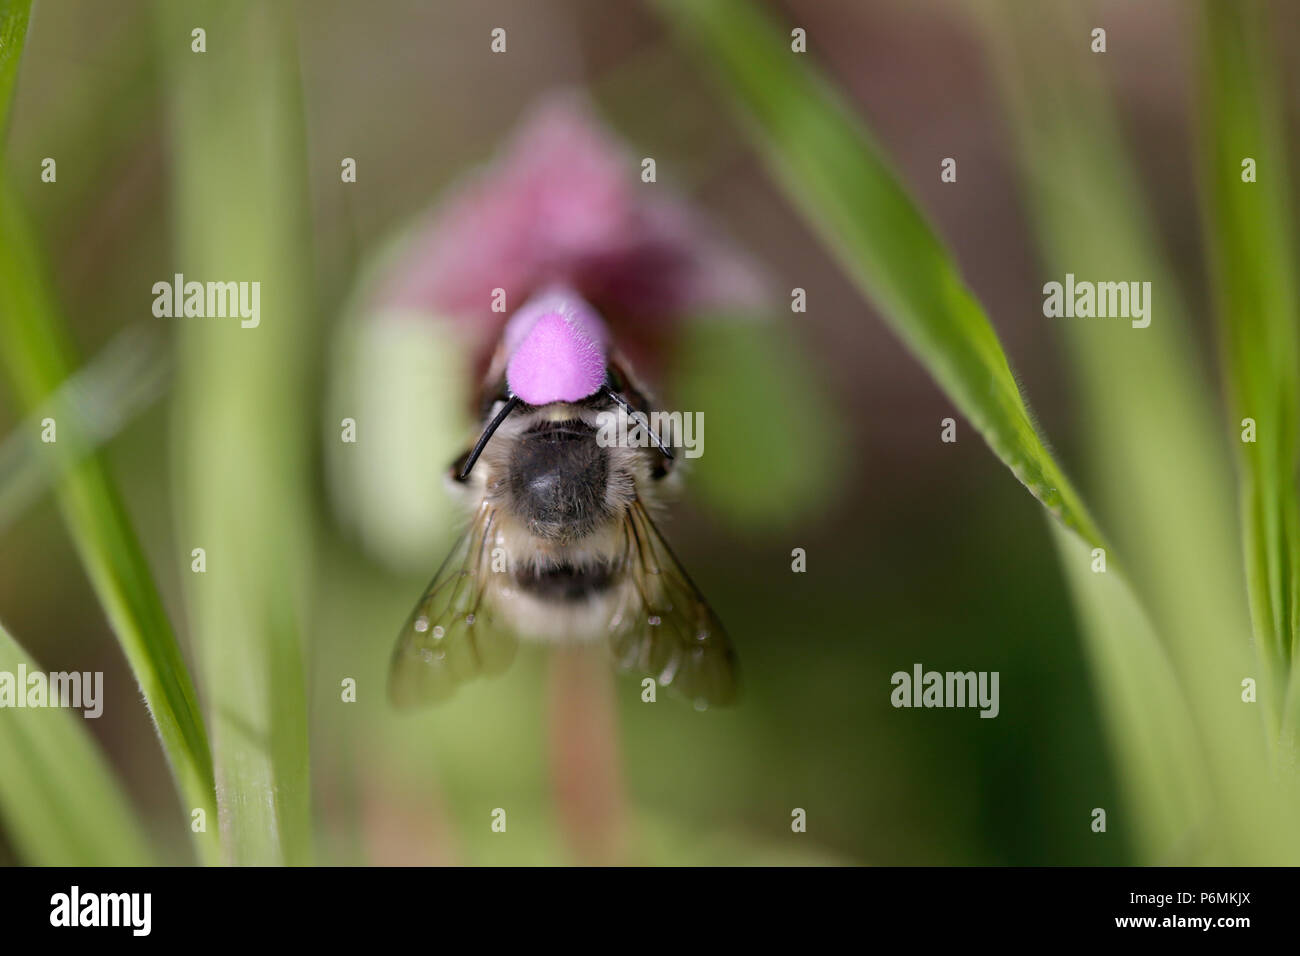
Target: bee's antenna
(487,434)
(639,418)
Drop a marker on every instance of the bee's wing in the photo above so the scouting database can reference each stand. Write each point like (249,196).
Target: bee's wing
(664,628)
(450,635)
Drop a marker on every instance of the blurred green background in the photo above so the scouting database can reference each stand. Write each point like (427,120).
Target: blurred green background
(918,551)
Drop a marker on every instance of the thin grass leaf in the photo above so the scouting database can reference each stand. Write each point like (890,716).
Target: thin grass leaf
(1164,786)
(1155,444)
(105,125)
(1156,452)
(834,174)
(61,804)
(13,31)
(243,418)
(38,358)
(1252,251)
(124,379)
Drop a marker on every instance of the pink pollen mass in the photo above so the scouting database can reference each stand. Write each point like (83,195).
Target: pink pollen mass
(557,346)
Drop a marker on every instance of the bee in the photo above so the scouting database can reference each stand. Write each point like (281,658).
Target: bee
(560,546)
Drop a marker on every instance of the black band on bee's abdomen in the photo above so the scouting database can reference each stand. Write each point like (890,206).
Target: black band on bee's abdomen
(565,582)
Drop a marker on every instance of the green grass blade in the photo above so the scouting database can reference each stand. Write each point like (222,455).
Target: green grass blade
(243,415)
(38,357)
(60,802)
(1155,444)
(835,175)
(1252,250)
(833,172)
(13,31)
(1163,785)
(124,379)
(1156,450)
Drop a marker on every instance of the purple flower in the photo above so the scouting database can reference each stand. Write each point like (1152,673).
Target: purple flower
(563,204)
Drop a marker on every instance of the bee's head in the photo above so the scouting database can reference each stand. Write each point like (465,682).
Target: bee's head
(549,469)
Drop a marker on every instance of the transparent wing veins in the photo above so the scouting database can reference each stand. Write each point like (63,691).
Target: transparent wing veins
(450,636)
(664,627)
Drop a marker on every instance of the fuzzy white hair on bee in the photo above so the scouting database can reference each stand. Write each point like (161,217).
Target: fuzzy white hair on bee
(561,546)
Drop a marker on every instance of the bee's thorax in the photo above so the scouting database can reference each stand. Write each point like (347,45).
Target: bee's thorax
(556,480)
